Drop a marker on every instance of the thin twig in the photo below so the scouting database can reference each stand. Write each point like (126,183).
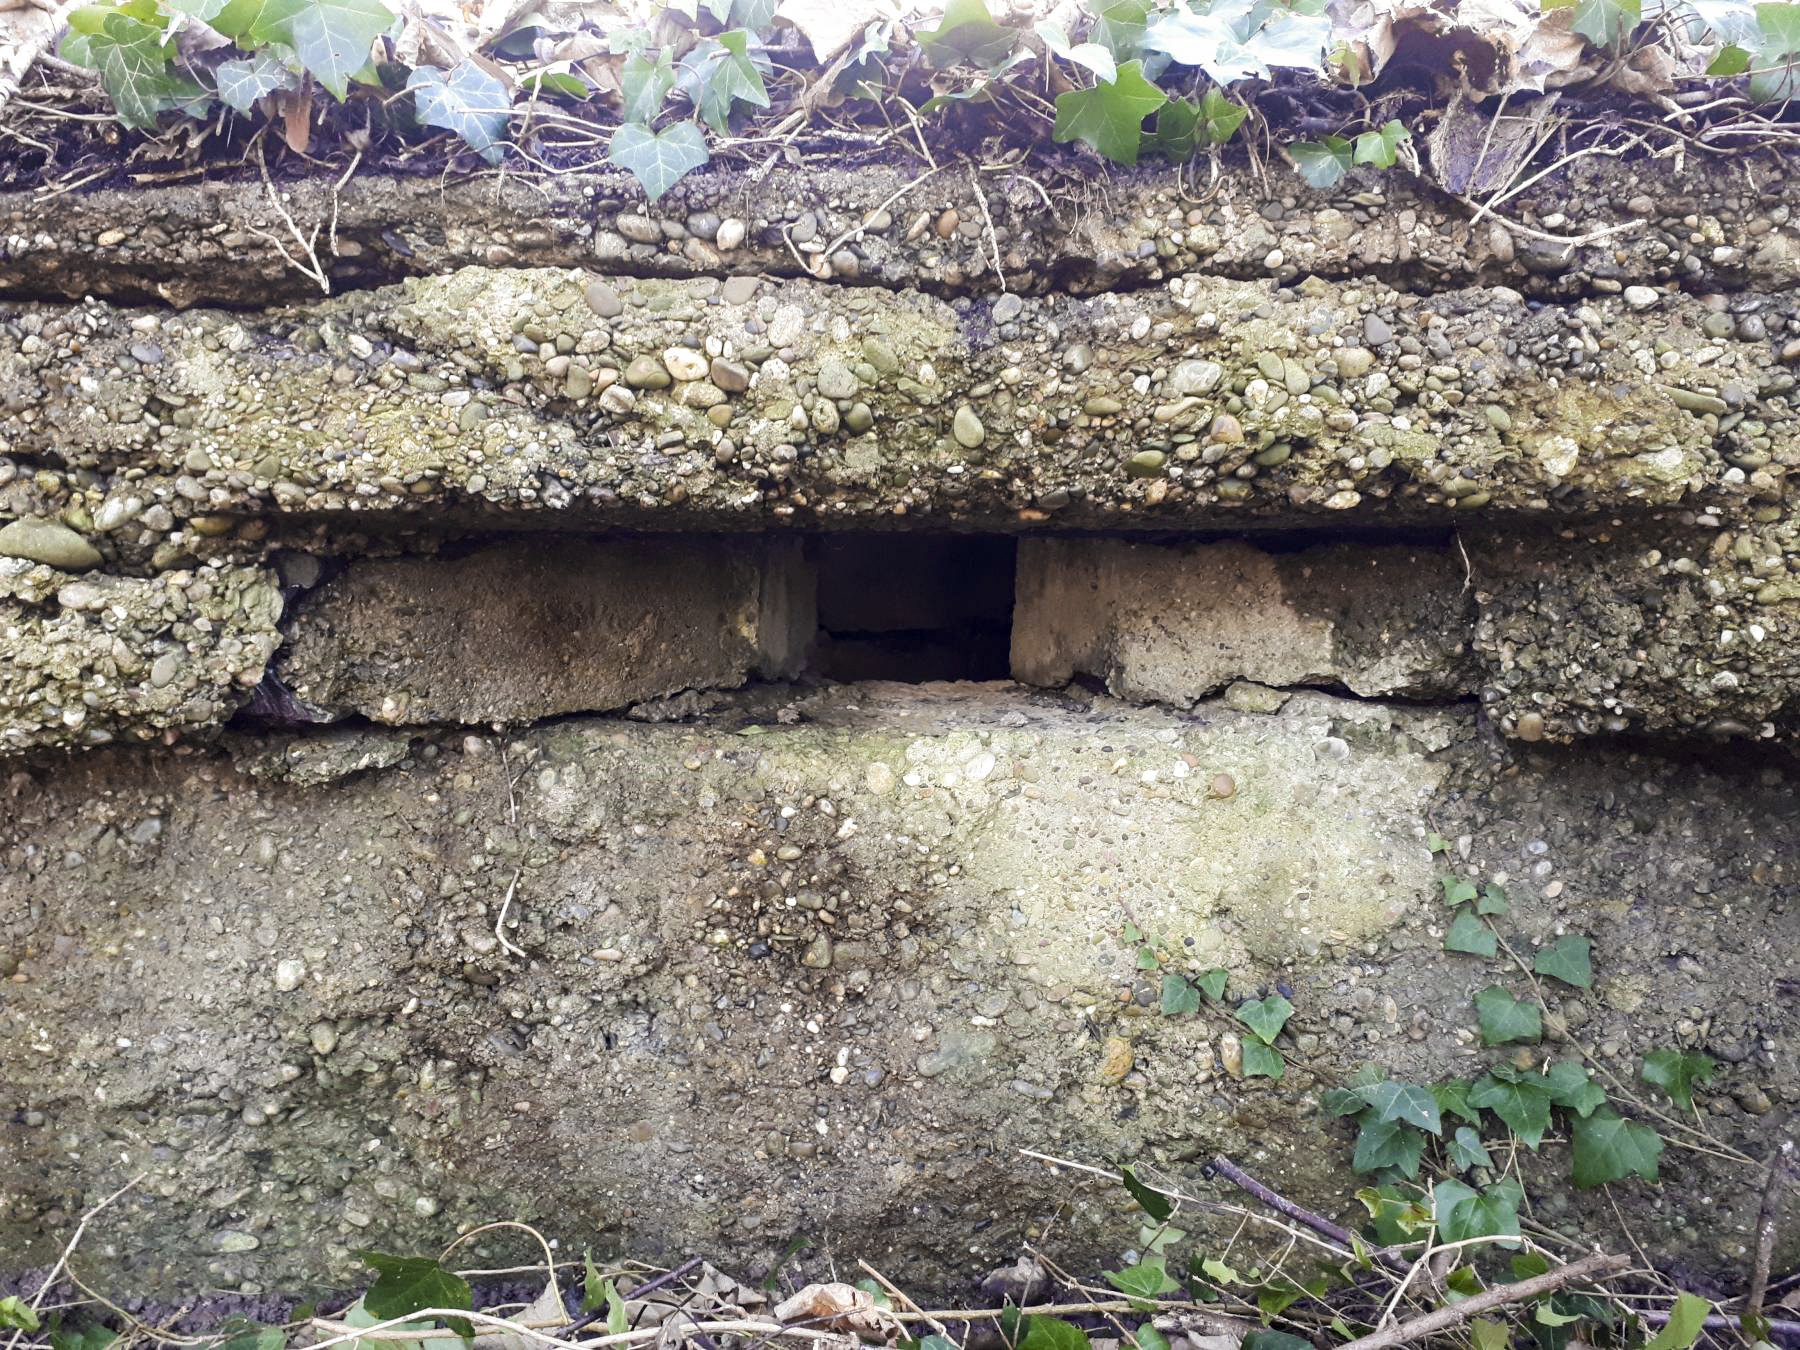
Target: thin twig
(1237,1176)
(37,1299)
(1781,1162)
(1444,1318)
(900,1296)
(506,904)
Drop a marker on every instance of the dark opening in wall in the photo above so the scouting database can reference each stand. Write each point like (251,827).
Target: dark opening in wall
(914,607)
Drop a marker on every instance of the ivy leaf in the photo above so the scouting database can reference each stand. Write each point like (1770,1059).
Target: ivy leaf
(1119,27)
(1682,1329)
(1676,1073)
(1343,1102)
(1779,26)
(469,102)
(658,161)
(1381,146)
(332,38)
(1469,934)
(1730,60)
(407,1284)
(1142,1283)
(1262,1061)
(1572,1088)
(593,1284)
(94,1338)
(1456,890)
(1132,933)
(1488,1334)
(1504,1018)
(1051,1333)
(1605,22)
(1178,996)
(1212,983)
(1607,1147)
(1220,116)
(1521,1100)
(1091,56)
(729,77)
(1463,1212)
(1466,1150)
(555,78)
(242,1334)
(1153,1202)
(1147,958)
(241,83)
(1568,961)
(17,1315)
(1437,843)
(1218,1272)
(132,59)
(1266,1017)
(967,35)
(1109,117)
(1395,1216)
(1408,1102)
(644,83)
(1492,901)
(1148,1337)
(1388,1143)
(1452,1097)
(1274,1340)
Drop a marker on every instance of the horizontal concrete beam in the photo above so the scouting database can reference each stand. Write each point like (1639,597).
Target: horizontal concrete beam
(526,630)
(581,400)
(1177,623)
(1698,228)
(1559,637)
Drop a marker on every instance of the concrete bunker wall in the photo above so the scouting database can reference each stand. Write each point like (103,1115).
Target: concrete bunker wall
(629,736)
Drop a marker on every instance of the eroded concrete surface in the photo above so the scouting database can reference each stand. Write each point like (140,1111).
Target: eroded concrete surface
(821,959)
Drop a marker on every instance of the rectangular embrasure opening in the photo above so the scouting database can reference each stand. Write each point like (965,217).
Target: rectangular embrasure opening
(913,608)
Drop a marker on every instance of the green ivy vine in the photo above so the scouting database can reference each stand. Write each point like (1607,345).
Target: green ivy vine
(1132,78)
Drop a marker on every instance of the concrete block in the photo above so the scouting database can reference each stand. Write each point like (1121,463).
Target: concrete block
(536,628)
(1175,623)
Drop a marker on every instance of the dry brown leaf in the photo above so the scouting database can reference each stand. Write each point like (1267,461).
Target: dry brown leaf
(835,1307)
(296,118)
(832,25)
(1650,70)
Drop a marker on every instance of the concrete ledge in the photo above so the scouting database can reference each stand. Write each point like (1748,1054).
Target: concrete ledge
(1174,623)
(533,629)
(84,661)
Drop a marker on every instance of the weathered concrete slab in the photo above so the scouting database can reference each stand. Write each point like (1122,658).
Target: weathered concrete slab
(1177,623)
(90,659)
(810,974)
(1701,227)
(578,400)
(532,629)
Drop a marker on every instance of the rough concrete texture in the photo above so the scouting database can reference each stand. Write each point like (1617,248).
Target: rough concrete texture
(1176,623)
(819,961)
(1699,225)
(85,660)
(1559,637)
(532,629)
(748,403)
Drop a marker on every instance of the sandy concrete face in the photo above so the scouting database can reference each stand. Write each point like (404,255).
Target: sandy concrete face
(1174,623)
(812,965)
(533,629)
